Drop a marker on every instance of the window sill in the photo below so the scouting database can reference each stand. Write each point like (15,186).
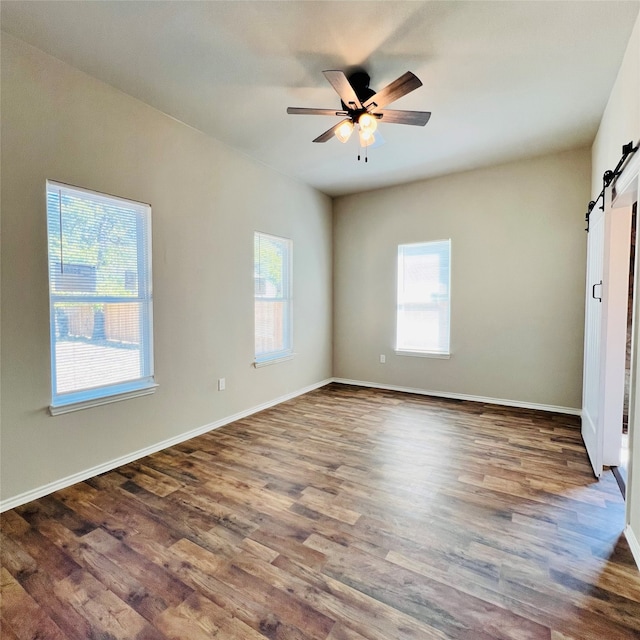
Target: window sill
(95,402)
(423,354)
(263,363)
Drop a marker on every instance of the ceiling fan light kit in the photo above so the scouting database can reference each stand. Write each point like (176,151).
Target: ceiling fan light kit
(363,107)
(367,122)
(366,137)
(344,130)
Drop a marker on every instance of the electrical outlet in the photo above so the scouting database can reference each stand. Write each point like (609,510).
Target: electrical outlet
(221,384)
(383,358)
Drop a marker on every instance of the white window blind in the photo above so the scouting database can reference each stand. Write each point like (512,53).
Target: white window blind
(423,304)
(272,297)
(100,295)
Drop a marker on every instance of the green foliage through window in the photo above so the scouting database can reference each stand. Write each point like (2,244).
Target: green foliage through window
(100,295)
(93,246)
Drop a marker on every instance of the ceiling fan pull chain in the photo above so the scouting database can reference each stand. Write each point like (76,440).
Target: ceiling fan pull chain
(366,155)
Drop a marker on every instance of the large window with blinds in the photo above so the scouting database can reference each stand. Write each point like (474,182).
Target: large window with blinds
(272,298)
(100,297)
(423,299)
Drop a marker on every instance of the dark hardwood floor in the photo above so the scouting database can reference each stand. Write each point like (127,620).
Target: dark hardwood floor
(345,514)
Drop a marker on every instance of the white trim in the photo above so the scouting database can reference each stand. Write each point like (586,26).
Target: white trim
(105,198)
(461,396)
(263,363)
(422,354)
(625,188)
(46,489)
(634,545)
(96,402)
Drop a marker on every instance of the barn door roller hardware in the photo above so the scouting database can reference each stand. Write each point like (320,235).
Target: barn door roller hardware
(609,176)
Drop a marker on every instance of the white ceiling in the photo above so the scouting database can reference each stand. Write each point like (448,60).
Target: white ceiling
(503,79)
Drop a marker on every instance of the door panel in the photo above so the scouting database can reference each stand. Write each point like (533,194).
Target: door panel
(591,433)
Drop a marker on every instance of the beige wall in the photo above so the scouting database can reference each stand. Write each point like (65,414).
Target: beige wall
(621,124)
(621,120)
(517,290)
(207,200)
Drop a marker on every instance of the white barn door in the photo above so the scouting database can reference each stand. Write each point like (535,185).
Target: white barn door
(607,298)
(591,397)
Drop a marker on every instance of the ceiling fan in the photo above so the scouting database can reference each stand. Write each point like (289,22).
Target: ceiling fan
(363,107)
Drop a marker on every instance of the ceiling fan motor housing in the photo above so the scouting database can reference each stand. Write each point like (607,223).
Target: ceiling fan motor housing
(359,80)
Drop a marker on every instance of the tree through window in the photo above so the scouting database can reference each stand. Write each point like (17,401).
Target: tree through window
(100,295)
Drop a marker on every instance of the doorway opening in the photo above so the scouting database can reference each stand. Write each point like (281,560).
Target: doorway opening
(621,472)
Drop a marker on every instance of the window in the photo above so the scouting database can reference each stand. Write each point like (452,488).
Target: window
(272,295)
(99,297)
(422,324)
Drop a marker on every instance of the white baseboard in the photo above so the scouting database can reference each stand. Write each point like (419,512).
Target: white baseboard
(461,396)
(46,489)
(67,481)
(634,545)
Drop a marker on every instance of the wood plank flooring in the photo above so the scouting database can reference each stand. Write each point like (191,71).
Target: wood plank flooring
(345,514)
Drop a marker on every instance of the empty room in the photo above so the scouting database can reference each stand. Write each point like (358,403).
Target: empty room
(319,320)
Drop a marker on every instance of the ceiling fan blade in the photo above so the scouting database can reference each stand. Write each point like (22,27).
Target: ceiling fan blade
(303,111)
(329,133)
(406,83)
(343,88)
(393,116)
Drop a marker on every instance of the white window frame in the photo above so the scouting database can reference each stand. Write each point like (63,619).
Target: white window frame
(401,348)
(110,392)
(286,353)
